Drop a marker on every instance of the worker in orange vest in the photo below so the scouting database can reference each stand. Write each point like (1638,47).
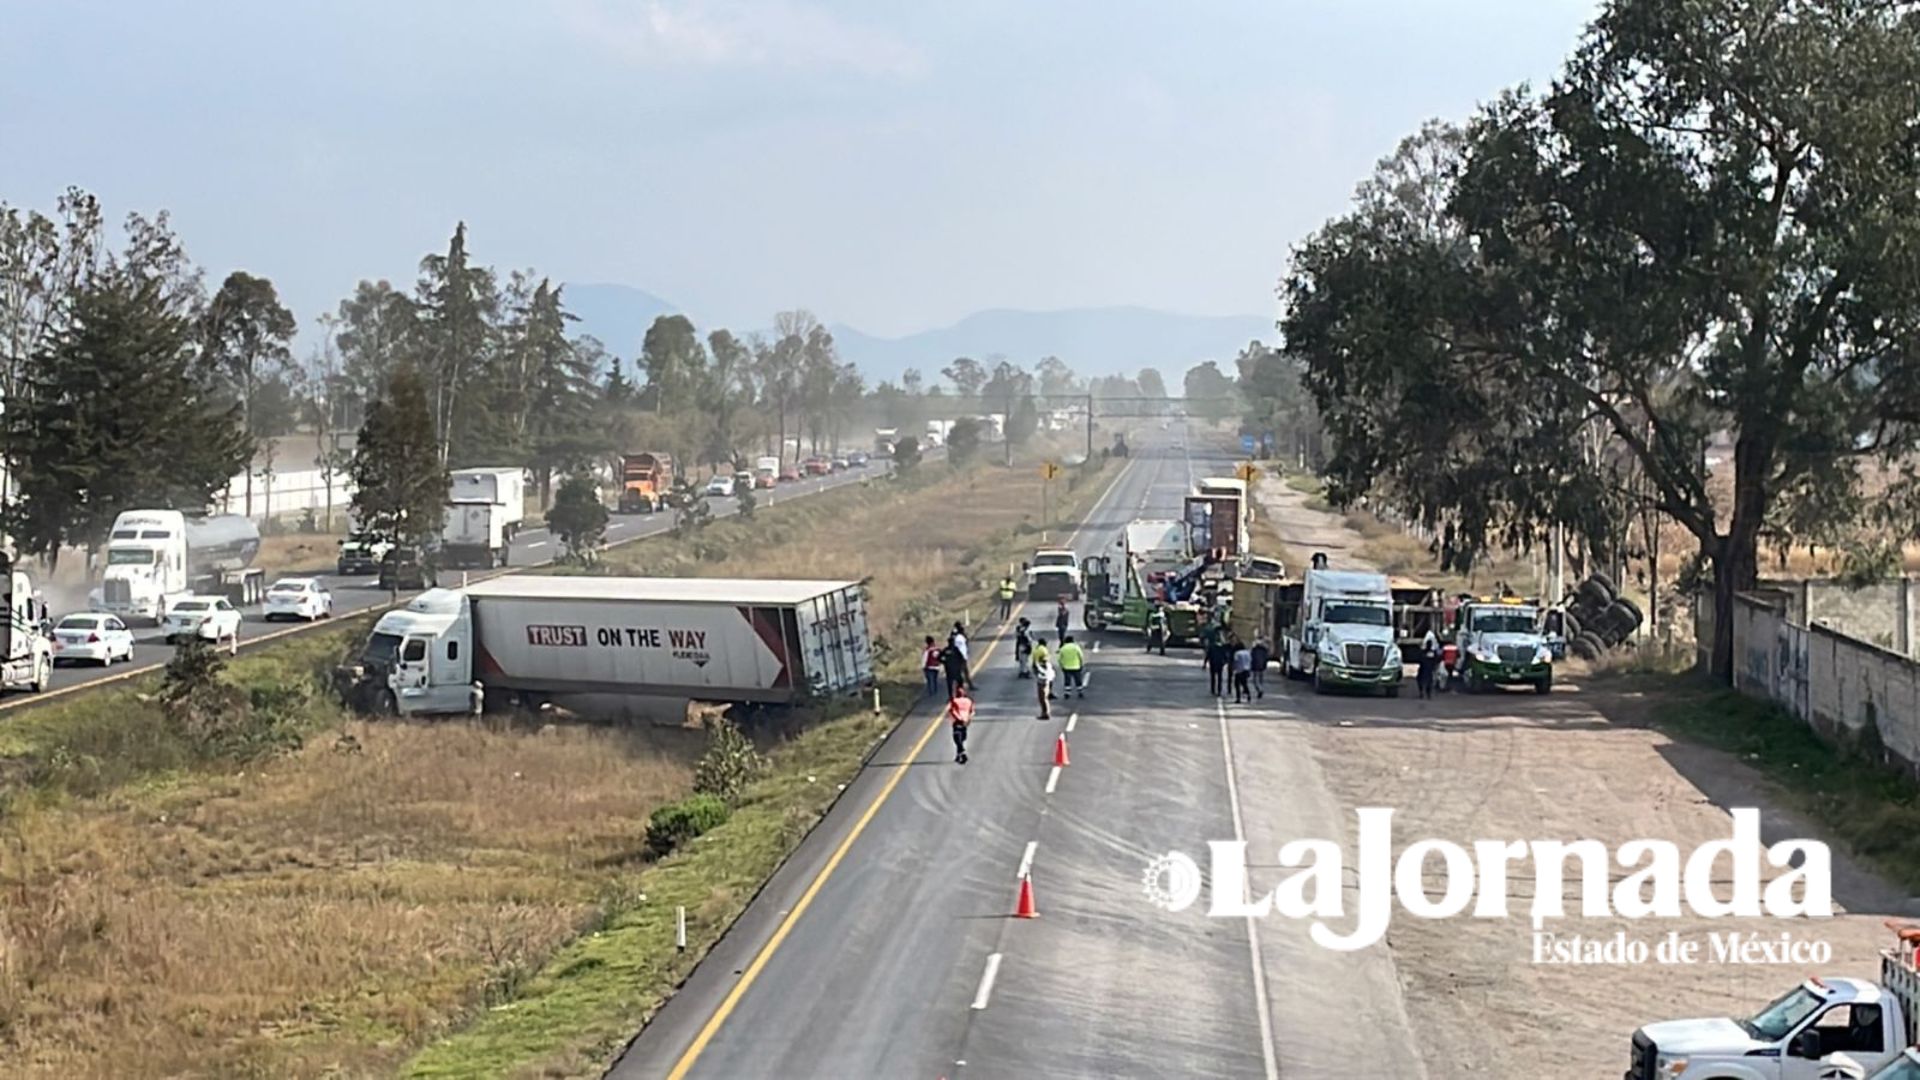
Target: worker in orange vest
(960,714)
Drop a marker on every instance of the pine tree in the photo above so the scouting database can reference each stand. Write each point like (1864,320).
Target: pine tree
(578,517)
(400,482)
(118,415)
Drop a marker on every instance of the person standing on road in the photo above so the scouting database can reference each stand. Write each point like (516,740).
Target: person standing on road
(1242,671)
(1073,667)
(960,714)
(1157,629)
(1022,646)
(1061,618)
(954,659)
(1043,677)
(1261,654)
(1218,657)
(1006,597)
(1429,660)
(930,664)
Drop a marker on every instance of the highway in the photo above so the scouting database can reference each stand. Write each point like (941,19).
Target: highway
(885,946)
(532,547)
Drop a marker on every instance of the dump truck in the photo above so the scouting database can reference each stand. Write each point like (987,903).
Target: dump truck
(645,481)
(158,557)
(528,639)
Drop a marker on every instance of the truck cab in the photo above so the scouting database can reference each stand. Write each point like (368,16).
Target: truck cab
(418,659)
(361,553)
(1053,573)
(1344,636)
(1822,1029)
(645,480)
(1500,644)
(156,557)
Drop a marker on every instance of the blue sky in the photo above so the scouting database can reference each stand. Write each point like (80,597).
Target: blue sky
(893,166)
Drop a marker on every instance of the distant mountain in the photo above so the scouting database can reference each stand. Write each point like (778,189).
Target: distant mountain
(1092,341)
(616,314)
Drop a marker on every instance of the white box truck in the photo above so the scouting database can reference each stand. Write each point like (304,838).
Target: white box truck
(484,510)
(1342,634)
(531,638)
(158,557)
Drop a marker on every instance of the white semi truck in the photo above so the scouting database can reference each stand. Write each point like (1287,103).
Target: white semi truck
(158,557)
(1342,634)
(937,432)
(25,647)
(485,508)
(531,638)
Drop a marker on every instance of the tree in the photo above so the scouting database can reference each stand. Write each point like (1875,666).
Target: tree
(1056,378)
(246,337)
(727,389)
(906,455)
(1210,393)
(400,481)
(1150,384)
(116,414)
(1023,422)
(458,305)
(963,442)
(578,516)
(1710,220)
(674,362)
(1276,400)
(375,329)
(966,375)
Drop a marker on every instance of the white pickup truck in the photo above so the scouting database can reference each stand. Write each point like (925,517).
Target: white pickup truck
(1823,1029)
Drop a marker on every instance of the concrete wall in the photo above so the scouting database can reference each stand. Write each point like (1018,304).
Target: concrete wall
(286,494)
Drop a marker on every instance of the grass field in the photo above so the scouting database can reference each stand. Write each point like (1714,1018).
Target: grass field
(331,911)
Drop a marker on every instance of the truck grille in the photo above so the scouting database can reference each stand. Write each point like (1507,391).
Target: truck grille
(116,591)
(1366,655)
(1645,1058)
(1516,654)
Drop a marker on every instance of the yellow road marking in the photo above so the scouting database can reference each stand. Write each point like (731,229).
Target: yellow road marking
(727,1004)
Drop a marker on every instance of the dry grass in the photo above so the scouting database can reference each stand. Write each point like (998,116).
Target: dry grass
(292,553)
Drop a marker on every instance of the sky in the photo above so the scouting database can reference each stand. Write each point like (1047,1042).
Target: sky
(893,166)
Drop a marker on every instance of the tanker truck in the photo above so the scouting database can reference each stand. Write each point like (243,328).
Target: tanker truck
(158,557)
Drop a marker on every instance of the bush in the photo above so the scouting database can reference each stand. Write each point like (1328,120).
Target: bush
(676,823)
(217,719)
(729,763)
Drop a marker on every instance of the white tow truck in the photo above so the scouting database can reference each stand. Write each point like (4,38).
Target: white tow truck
(1342,633)
(1826,1028)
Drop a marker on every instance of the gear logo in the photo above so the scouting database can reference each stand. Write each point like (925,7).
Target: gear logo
(1172,882)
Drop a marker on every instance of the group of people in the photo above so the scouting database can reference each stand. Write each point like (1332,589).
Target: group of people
(1233,663)
(1032,657)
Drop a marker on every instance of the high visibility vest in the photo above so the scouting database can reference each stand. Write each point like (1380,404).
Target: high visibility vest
(1039,656)
(1006,588)
(960,710)
(1071,657)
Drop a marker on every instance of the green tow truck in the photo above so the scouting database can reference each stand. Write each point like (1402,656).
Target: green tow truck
(1121,589)
(1499,643)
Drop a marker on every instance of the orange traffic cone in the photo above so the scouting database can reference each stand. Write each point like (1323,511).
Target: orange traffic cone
(1060,750)
(1024,909)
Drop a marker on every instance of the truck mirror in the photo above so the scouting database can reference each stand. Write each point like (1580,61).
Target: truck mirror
(1806,1045)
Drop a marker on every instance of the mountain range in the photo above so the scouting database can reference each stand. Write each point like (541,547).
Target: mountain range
(1092,341)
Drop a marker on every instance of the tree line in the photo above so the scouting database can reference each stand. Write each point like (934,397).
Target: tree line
(1703,228)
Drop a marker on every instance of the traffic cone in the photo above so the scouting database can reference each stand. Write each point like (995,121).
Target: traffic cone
(1024,909)
(1060,751)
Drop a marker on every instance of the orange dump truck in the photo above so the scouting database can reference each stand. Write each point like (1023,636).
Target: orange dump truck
(645,481)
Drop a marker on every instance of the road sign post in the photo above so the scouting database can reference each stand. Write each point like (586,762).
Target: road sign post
(1048,470)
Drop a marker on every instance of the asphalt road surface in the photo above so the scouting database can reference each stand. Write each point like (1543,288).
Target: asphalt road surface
(885,946)
(532,547)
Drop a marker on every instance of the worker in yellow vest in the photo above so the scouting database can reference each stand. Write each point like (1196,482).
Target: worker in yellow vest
(1073,668)
(1006,597)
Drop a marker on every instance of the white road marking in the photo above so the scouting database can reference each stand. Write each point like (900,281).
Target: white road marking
(1052,779)
(1096,646)
(1026,861)
(981,995)
(1072,719)
(1253,927)
(538,543)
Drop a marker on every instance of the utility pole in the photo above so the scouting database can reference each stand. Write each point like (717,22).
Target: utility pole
(1089,427)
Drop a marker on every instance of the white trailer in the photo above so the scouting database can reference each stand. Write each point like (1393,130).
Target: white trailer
(26,652)
(485,508)
(532,638)
(158,557)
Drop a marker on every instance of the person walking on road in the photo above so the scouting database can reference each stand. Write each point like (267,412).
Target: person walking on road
(1006,597)
(960,714)
(1242,672)
(1261,654)
(1218,657)
(1157,629)
(930,665)
(1073,668)
(954,659)
(1061,618)
(1022,646)
(1043,677)
(1429,660)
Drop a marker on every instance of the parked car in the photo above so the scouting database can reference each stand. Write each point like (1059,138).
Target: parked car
(93,638)
(818,466)
(210,618)
(858,459)
(299,598)
(721,486)
(789,474)
(839,462)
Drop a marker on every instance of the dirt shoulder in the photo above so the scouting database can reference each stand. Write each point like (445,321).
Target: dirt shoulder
(1578,764)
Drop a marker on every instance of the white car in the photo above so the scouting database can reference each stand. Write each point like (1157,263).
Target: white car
(299,598)
(209,618)
(721,486)
(92,637)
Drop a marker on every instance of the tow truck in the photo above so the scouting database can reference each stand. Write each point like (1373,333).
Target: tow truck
(1500,644)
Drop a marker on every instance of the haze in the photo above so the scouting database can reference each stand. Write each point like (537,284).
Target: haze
(891,166)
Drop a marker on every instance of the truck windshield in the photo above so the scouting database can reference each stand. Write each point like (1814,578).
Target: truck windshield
(1904,1069)
(1359,614)
(382,649)
(1504,622)
(1061,559)
(1787,1013)
(129,556)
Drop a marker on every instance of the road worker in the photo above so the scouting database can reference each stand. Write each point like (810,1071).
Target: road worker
(1006,597)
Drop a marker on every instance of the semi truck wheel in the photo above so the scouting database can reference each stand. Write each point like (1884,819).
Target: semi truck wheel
(1544,686)
(386,704)
(42,676)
